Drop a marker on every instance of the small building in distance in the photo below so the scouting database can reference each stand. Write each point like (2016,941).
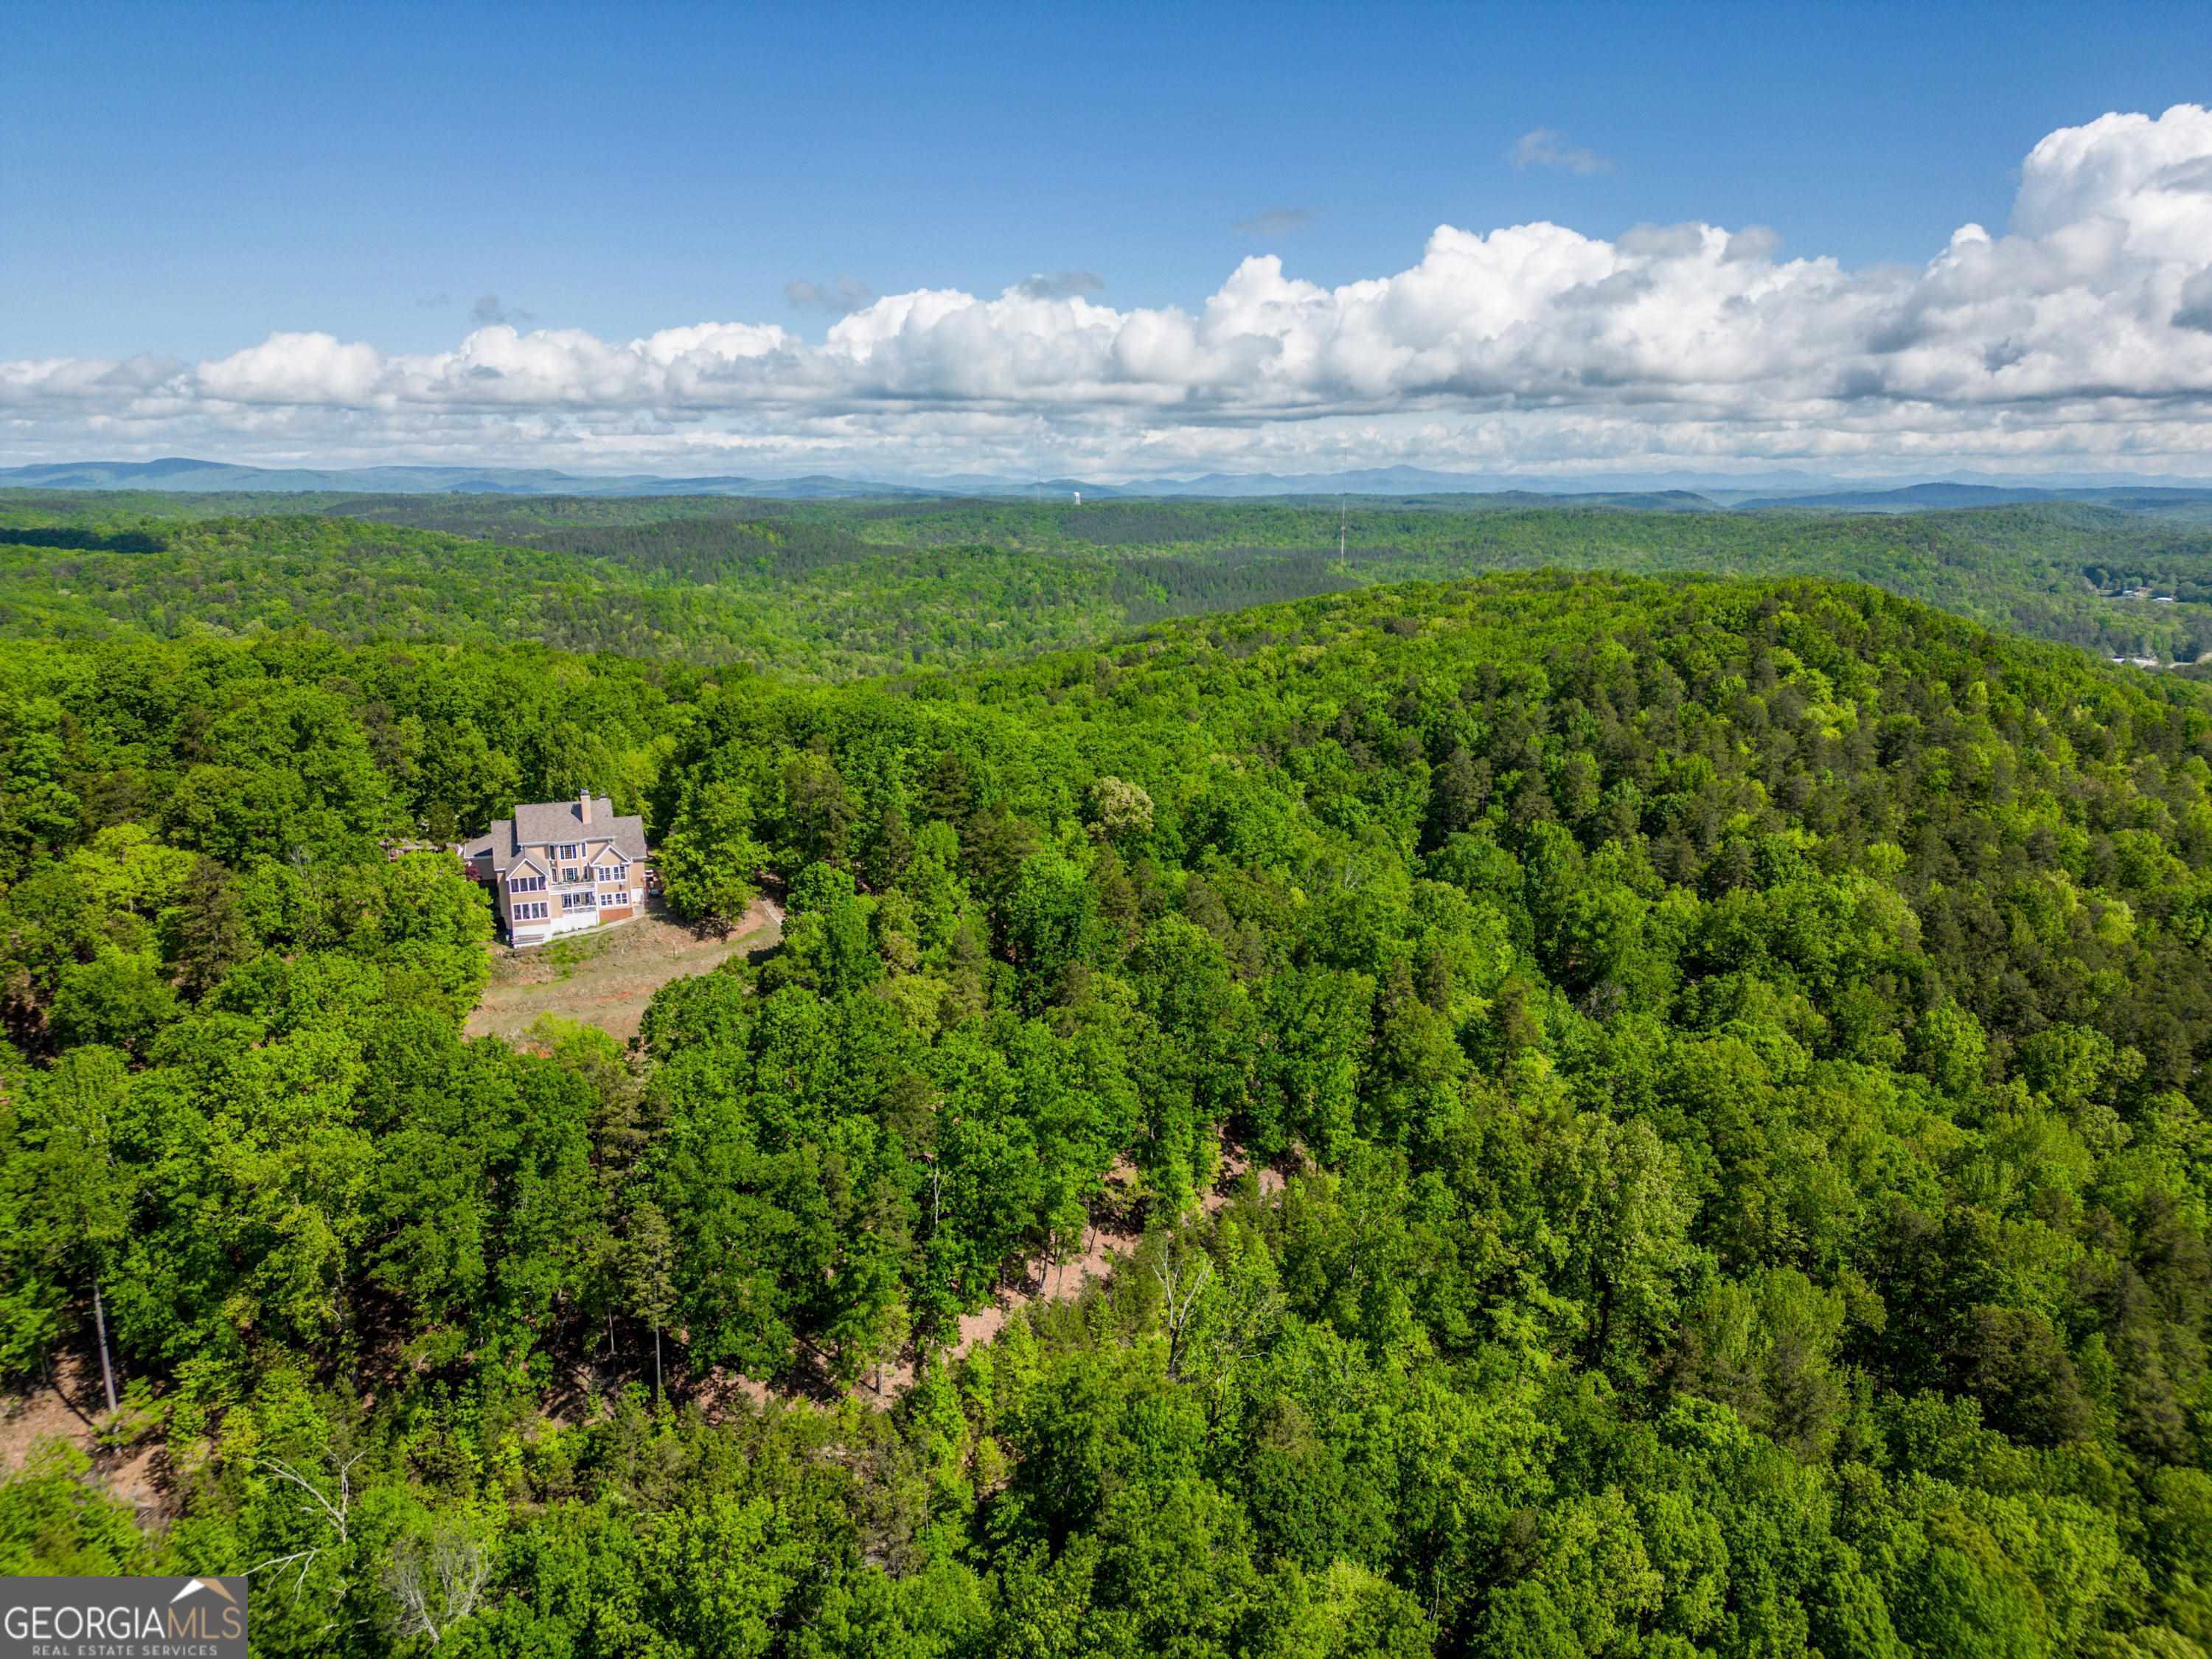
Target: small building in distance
(562,866)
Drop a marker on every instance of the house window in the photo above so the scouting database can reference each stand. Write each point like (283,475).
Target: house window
(568,850)
(613,872)
(584,901)
(616,901)
(572,877)
(526,884)
(530,912)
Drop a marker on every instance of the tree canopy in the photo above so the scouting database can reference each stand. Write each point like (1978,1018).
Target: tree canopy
(1637,1116)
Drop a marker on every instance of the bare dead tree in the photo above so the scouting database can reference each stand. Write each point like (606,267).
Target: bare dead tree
(334,1508)
(1181,1283)
(298,1561)
(437,1583)
(336,1505)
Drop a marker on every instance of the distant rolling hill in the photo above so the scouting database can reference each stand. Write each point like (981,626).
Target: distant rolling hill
(1407,486)
(1927,497)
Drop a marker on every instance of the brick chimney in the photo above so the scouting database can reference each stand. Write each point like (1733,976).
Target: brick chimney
(584,805)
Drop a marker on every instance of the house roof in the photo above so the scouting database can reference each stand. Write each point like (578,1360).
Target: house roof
(496,843)
(538,824)
(562,820)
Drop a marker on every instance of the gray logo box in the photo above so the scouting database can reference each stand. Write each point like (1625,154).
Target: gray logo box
(122,1618)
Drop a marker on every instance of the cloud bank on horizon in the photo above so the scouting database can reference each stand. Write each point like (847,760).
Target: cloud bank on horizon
(2081,338)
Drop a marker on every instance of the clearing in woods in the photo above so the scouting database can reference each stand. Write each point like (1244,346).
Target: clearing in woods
(130,1463)
(606,978)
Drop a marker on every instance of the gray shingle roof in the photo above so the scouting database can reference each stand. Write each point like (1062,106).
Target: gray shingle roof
(537,823)
(560,820)
(498,841)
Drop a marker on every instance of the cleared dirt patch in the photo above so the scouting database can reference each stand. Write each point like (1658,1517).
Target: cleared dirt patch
(606,977)
(67,1409)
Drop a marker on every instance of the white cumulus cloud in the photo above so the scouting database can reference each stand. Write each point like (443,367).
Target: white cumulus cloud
(2079,336)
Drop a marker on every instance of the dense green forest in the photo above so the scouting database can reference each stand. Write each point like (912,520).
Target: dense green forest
(1730,1061)
(832,590)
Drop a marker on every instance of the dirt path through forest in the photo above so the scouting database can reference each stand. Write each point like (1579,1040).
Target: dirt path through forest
(66,1410)
(1104,1249)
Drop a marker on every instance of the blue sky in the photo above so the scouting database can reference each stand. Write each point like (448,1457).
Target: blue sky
(189,180)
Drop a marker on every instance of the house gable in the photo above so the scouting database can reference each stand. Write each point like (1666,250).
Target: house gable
(602,880)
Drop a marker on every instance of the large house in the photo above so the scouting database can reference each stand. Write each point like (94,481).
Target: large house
(561,867)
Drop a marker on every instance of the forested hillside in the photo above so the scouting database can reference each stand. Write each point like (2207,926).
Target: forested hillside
(837,589)
(803,613)
(1734,1060)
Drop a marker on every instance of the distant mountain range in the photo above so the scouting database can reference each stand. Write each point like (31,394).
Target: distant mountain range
(178,473)
(1683,492)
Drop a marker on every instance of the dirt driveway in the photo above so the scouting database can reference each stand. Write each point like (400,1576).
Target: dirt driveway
(605,978)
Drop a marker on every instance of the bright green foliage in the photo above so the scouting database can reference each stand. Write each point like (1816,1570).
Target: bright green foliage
(1732,1062)
(53,1524)
(709,861)
(832,589)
